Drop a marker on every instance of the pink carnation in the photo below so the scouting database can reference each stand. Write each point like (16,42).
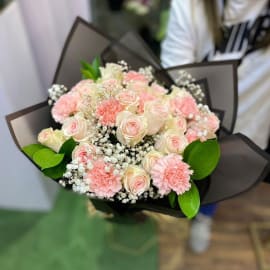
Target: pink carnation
(65,106)
(184,106)
(107,111)
(102,180)
(171,173)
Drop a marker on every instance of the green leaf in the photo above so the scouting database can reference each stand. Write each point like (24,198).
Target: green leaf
(31,149)
(67,147)
(203,158)
(188,150)
(189,202)
(91,71)
(87,74)
(46,158)
(56,172)
(96,65)
(172,199)
(85,65)
(163,24)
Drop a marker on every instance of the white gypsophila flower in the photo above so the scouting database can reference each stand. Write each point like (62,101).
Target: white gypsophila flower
(55,92)
(147,72)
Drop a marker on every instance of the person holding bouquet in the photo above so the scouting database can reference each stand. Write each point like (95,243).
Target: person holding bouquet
(224,30)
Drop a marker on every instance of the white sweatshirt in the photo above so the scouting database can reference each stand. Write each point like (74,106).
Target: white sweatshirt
(189,40)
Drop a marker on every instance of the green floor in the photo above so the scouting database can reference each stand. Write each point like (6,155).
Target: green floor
(67,238)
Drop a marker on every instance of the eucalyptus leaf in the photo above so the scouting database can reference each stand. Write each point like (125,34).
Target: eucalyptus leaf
(56,172)
(189,202)
(31,149)
(46,158)
(172,199)
(203,158)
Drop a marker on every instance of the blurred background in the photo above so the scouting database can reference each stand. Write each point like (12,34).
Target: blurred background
(44,228)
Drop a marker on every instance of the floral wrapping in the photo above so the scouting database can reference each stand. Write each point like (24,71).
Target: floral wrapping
(130,129)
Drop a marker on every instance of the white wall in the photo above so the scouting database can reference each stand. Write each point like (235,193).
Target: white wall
(32,34)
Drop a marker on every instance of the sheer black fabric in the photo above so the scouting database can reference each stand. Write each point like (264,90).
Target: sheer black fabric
(242,164)
(116,51)
(222,86)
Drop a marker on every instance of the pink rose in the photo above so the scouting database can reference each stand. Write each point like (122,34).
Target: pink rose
(131,128)
(184,106)
(53,139)
(133,76)
(210,122)
(171,141)
(204,128)
(144,97)
(83,87)
(107,111)
(137,86)
(76,127)
(83,152)
(129,99)
(156,113)
(65,106)
(192,135)
(150,159)
(103,181)
(170,173)
(196,132)
(136,181)
(158,89)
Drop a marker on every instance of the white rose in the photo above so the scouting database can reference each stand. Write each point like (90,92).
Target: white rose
(131,128)
(136,180)
(53,139)
(150,159)
(156,113)
(176,123)
(111,71)
(129,99)
(178,92)
(76,127)
(171,141)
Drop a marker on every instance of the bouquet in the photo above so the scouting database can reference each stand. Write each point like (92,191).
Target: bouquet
(133,136)
(125,138)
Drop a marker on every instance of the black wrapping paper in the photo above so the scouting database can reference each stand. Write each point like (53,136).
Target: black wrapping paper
(242,164)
